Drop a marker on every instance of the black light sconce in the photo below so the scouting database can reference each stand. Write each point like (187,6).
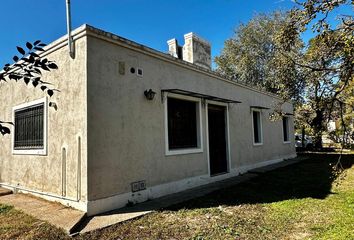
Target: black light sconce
(53,105)
(149,94)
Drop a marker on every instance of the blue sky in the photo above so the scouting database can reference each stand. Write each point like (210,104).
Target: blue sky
(149,22)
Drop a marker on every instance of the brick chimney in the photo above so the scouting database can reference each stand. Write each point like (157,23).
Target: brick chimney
(195,50)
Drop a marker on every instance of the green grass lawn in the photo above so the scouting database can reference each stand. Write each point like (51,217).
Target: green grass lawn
(303,201)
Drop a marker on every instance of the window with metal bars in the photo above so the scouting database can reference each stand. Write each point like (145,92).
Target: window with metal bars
(29,128)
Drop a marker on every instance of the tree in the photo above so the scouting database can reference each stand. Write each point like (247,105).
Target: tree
(253,56)
(268,52)
(321,86)
(27,67)
(329,59)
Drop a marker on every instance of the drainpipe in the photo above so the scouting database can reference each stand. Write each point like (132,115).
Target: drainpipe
(68,23)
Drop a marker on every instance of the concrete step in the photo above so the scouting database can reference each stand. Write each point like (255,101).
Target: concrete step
(52,212)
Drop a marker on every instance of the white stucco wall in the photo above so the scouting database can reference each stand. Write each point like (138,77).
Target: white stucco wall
(43,174)
(122,133)
(126,137)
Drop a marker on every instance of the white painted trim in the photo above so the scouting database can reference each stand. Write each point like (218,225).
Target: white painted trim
(228,149)
(120,200)
(199,149)
(287,125)
(25,105)
(261,127)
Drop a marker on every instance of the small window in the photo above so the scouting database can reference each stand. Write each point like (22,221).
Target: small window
(29,132)
(183,126)
(286,129)
(257,128)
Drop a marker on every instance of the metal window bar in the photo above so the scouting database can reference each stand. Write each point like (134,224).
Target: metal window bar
(29,127)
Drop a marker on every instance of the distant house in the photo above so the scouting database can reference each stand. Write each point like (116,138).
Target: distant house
(133,123)
(335,135)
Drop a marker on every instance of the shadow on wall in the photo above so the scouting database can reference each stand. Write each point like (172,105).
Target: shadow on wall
(311,178)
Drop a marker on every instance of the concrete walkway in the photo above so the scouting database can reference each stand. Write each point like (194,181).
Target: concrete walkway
(127,213)
(54,213)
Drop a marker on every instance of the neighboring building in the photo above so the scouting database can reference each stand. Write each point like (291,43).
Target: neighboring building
(334,133)
(110,141)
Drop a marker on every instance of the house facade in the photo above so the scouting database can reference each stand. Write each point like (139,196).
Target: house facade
(131,124)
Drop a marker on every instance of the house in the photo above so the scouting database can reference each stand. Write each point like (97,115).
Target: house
(132,124)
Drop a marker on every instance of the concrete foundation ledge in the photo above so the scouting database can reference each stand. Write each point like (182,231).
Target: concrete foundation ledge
(5,191)
(121,200)
(66,201)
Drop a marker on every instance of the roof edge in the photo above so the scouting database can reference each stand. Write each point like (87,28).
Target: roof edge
(88,30)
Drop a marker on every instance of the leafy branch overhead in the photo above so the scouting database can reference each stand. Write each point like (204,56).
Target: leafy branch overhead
(28,67)
(328,61)
(318,75)
(253,57)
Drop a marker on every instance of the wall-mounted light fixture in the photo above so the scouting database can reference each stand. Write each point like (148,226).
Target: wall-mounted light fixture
(149,94)
(53,105)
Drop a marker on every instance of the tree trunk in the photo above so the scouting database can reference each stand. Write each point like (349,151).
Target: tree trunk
(303,137)
(317,126)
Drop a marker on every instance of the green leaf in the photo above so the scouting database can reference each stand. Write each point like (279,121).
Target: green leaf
(35,83)
(52,65)
(26,80)
(20,50)
(39,49)
(34,54)
(4,130)
(50,92)
(29,45)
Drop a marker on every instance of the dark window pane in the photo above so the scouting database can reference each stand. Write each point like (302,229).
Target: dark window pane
(182,124)
(29,128)
(285,129)
(256,127)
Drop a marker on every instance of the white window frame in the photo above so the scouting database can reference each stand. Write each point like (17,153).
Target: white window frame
(42,151)
(228,149)
(199,149)
(261,127)
(288,126)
